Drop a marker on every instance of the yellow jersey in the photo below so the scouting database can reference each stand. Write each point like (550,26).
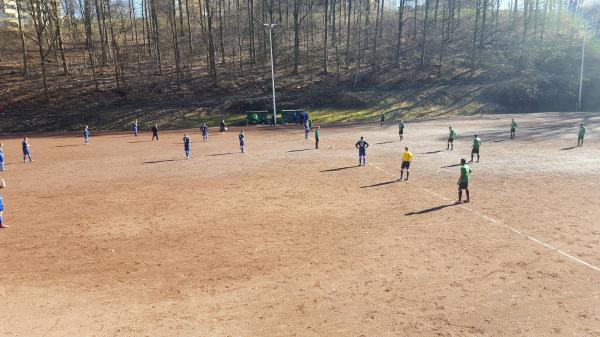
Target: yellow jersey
(407,156)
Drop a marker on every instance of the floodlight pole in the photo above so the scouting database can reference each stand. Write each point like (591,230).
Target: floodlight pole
(581,73)
(270,27)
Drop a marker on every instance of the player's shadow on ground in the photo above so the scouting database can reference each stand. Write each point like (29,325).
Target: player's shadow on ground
(139,141)
(453,165)
(568,148)
(338,169)
(70,145)
(221,154)
(432,152)
(300,150)
(429,210)
(160,161)
(380,184)
(390,141)
(501,140)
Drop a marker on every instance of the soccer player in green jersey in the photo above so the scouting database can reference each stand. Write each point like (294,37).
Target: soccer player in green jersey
(463,181)
(581,135)
(476,146)
(317,135)
(451,137)
(401,129)
(513,129)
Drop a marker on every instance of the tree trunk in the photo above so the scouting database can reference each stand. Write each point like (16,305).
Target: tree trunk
(221,44)
(189,28)
(415,21)
(59,39)
(181,31)
(435,13)
(544,21)
(24,65)
(176,54)
(424,39)
(325,45)
(348,23)
(251,46)
(135,34)
(483,18)
(212,70)
(377,25)
(400,26)
(525,22)
(38,16)
(239,36)
(366,30)
(442,42)
(296,14)
(474,49)
(119,79)
(156,35)
(101,31)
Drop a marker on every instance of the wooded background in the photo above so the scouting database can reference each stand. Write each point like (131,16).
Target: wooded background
(109,56)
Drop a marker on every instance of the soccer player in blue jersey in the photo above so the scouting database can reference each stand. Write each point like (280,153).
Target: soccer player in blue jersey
(2,158)
(362,146)
(25,147)
(186,145)
(2,225)
(86,135)
(242,138)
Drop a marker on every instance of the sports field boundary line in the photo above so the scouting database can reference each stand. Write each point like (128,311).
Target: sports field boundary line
(489,219)
(519,232)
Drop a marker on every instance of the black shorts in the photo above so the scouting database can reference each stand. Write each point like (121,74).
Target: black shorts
(405,165)
(463,185)
(512,130)
(475,151)
(401,131)
(450,140)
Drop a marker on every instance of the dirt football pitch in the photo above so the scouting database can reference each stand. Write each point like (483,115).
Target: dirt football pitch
(124,237)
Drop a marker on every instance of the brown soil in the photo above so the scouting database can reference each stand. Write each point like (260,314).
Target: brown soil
(123,237)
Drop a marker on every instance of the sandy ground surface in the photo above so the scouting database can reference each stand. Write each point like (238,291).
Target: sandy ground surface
(124,237)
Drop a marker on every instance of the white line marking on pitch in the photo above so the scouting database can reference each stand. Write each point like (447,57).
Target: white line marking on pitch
(494,221)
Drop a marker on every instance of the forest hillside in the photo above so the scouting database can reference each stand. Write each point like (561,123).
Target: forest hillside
(65,63)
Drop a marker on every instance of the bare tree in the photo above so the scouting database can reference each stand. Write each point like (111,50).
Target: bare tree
(24,66)
(212,69)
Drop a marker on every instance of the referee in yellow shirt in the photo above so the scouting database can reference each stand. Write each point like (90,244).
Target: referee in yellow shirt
(407,157)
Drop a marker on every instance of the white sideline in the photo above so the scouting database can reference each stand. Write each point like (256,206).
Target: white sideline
(494,221)
(489,219)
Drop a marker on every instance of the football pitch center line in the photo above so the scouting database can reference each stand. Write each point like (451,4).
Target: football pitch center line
(496,222)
